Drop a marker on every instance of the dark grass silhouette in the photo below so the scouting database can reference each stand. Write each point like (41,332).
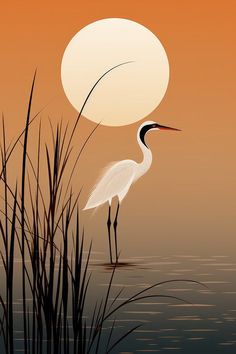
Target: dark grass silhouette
(55,277)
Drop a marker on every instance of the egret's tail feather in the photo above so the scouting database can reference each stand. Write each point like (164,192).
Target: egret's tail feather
(87,207)
(90,205)
(93,201)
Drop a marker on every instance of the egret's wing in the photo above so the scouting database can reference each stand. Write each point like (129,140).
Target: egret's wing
(116,179)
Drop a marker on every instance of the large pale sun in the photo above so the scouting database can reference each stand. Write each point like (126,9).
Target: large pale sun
(129,92)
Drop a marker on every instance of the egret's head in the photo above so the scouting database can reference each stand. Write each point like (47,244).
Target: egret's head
(150,125)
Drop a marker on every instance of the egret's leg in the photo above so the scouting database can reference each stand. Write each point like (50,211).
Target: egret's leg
(115,230)
(109,231)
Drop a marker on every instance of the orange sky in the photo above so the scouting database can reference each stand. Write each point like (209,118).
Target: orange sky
(189,195)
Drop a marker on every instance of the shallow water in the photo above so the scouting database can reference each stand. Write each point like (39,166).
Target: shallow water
(205,324)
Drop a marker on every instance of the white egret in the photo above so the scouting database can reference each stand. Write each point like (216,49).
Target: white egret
(118,178)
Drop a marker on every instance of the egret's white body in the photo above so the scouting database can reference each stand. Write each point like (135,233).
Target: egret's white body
(118,177)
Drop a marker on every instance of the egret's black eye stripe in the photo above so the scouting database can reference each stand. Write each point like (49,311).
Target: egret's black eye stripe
(144,130)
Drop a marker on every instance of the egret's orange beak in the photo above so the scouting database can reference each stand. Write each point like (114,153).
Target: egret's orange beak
(163,127)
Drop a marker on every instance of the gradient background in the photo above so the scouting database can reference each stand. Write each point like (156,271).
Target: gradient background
(187,201)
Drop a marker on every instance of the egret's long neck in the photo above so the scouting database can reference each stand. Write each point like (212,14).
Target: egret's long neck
(144,166)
